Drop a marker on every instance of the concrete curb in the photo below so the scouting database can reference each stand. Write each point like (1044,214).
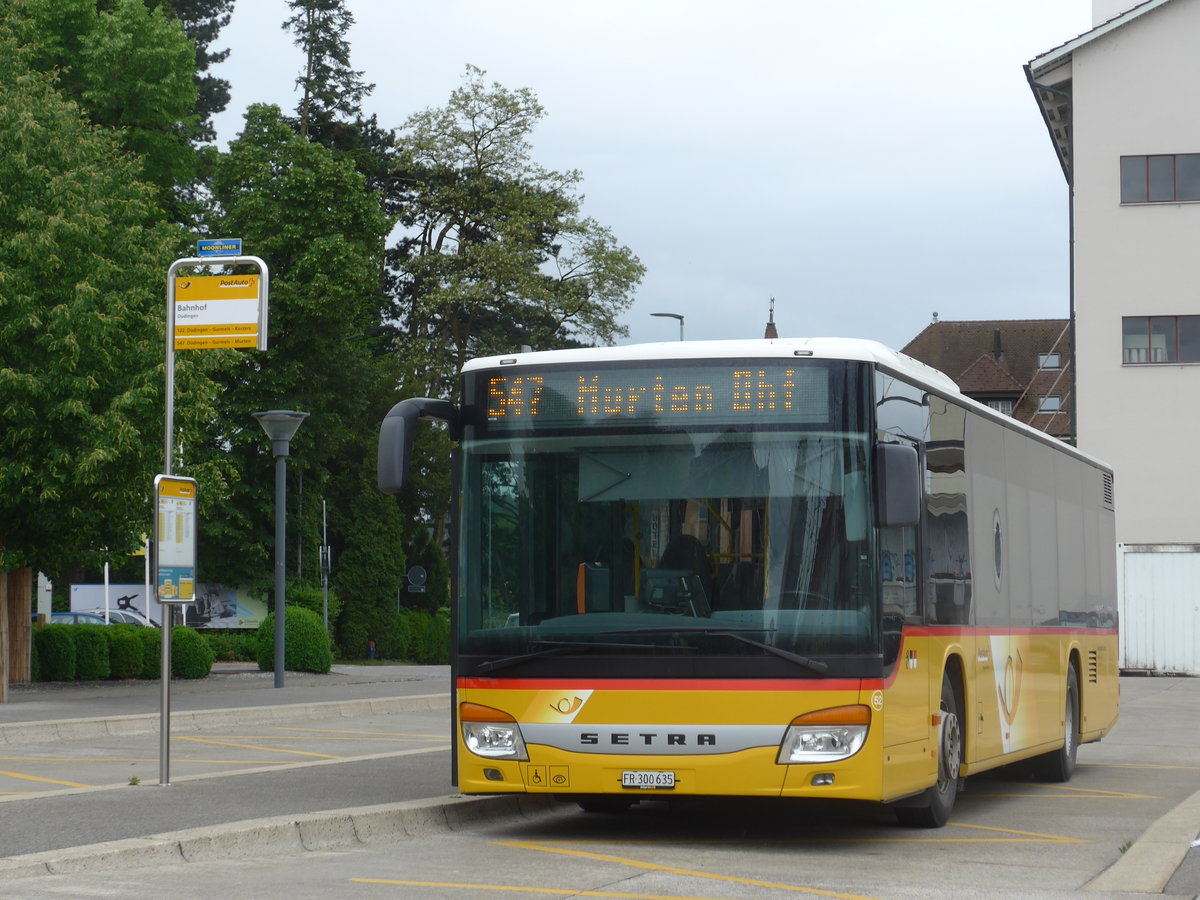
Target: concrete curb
(1148,865)
(283,834)
(194,720)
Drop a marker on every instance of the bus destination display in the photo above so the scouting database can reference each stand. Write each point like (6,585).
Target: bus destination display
(686,395)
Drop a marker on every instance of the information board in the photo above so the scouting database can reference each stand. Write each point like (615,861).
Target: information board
(175,539)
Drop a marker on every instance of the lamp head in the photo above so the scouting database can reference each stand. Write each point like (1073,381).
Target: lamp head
(281,426)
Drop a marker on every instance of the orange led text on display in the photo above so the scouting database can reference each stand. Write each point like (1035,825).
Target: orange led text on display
(746,390)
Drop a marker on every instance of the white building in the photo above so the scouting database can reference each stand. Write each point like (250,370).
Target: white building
(1120,103)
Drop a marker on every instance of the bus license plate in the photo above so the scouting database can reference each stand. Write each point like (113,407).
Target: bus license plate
(648,781)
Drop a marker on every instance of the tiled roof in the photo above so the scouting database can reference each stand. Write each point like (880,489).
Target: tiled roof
(986,376)
(999,360)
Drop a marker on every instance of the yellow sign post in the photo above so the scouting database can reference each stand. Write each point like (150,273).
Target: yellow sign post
(217,311)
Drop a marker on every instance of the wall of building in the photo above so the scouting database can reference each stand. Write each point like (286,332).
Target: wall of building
(1132,95)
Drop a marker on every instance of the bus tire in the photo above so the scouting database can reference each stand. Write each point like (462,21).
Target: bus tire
(1059,765)
(931,808)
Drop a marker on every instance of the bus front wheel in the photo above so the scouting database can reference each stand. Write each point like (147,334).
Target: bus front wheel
(931,809)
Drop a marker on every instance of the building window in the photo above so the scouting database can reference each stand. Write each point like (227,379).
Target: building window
(1166,178)
(1001,406)
(1160,339)
(1049,403)
(1049,360)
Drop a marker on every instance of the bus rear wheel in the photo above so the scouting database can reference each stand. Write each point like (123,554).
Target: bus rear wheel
(931,809)
(1059,765)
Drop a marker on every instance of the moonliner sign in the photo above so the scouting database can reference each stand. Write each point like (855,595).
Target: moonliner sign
(217,311)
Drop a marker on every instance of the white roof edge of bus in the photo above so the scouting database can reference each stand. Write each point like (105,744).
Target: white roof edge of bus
(856,349)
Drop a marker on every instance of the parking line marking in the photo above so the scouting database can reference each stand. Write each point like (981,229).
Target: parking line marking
(1081,793)
(571,892)
(673,870)
(394,734)
(43,780)
(1052,838)
(254,747)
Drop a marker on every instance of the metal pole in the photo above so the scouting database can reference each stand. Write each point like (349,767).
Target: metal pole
(164,713)
(324,566)
(280,554)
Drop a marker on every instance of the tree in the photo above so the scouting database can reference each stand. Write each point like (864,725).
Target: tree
(308,214)
(82,257)
(202,22)
(497,253)
(131,69)
(330,89)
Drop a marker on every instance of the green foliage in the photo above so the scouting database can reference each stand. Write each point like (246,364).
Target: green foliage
(325,300)
(497,252)
(132,69)
(56,652)
(429,637)
(125,652)
(312,597)
(91,651)
(151,643)
(35,660)
(422,551)
(329,87)
(81,266)
(191,655)
(306,644)
(232,646)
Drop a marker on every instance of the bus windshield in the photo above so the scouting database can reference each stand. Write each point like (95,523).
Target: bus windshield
(688,544)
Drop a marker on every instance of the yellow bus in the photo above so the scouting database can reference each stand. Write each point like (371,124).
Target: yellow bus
(777,568)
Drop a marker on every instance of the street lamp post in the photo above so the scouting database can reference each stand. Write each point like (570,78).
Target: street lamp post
(280,425)
(672,316)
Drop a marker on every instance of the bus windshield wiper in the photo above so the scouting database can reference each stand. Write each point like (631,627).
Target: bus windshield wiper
(554,648)
(815,665)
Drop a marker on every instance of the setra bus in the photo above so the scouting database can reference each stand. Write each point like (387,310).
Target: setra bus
(767,568)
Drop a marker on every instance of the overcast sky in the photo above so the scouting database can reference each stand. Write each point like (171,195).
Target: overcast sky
(865,163)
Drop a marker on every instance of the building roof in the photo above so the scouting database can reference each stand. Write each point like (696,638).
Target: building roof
(1001,360)
(1049,77)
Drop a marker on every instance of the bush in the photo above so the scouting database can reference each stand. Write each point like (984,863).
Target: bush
(191,655)
(151,645)
(306,644)
(91,652)
(125,651)
(35,661)
(313,598)
(231,646)
(56,651)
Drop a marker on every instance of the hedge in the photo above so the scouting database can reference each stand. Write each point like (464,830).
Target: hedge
(91,652)
(95,652)
(56,652)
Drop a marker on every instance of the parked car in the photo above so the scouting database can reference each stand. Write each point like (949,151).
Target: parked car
(122,616)
(73,618)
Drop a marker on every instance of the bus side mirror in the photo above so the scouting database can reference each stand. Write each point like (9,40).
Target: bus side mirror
(396,437)
(897,485)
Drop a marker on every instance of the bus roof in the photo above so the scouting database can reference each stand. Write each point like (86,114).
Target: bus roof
(782,348)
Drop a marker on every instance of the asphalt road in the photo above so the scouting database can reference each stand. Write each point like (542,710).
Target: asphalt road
(1120,828)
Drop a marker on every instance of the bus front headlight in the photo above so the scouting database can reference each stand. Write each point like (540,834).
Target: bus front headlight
(827,735)
(491,733)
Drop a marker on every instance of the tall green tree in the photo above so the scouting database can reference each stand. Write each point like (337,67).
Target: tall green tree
(307,212)
(330,90)
(497,252)
(202,22)
(132,69)
(82,257)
